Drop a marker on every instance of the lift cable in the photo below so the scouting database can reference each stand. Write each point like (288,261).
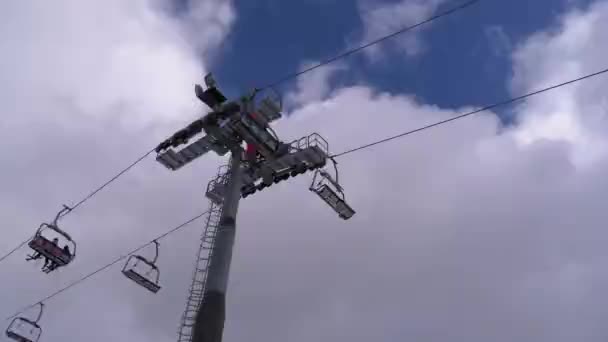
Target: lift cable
(76,282)
(125,170)
(88,197)
(492,106)
(366,45)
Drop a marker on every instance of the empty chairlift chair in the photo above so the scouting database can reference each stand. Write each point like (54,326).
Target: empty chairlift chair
(23,329)
(331,192)
(143,272)
(43,245)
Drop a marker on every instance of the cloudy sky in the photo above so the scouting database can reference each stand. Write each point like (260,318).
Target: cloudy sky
(490,228)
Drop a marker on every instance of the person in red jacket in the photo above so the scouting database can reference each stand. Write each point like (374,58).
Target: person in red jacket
(251,153)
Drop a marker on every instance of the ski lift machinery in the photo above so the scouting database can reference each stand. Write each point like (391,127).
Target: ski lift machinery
(248,119)
(150,279)
(23,329)
(40,244)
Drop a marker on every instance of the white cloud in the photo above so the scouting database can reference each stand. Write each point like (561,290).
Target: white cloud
(86,87)
(313,86)
(577,113)
(110,58)
(206,23)
(380,19)
(461,233)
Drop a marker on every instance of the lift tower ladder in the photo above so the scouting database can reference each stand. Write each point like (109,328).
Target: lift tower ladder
(203,258)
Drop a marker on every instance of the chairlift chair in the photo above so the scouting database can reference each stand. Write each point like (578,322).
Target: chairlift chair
(23,329)
(331,192)
(149,279)
(40,244)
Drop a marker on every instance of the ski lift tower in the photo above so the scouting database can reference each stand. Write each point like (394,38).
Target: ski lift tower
(264,161)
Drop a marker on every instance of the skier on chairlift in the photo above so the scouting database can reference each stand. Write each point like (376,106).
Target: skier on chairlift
(53,266)
(49,265)
(66,250)
(251,154)
(37,255)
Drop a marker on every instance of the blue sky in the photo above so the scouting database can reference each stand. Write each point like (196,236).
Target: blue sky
(462,65)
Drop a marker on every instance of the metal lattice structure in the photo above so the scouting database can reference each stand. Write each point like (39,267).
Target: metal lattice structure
(203,258)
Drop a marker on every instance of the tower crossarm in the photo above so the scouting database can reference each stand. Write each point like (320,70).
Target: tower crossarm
(305,154)
(225,128)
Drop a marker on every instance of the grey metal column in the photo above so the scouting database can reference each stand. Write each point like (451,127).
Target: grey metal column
(209,325)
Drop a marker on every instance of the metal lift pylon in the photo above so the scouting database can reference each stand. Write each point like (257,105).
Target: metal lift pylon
(263,161)
(199,276)
(203,318)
